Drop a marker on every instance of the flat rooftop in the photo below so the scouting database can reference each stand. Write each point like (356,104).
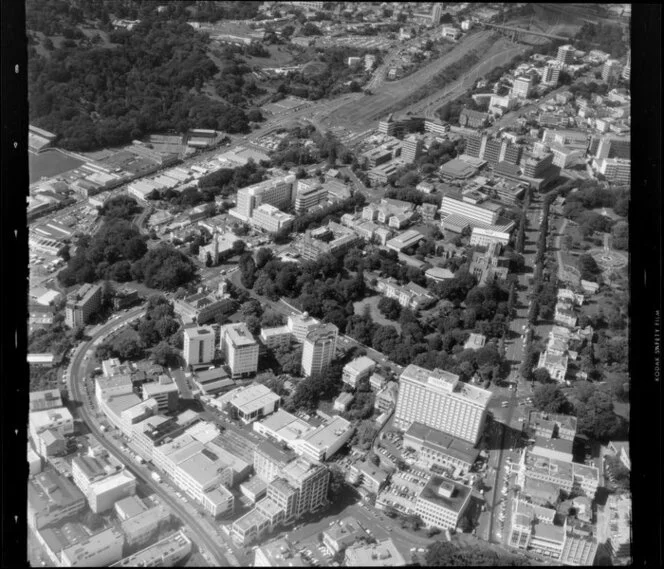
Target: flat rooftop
(238,334)
(442,442)
(455,503)
(253,398)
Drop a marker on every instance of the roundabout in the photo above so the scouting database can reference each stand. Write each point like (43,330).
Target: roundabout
(608,260)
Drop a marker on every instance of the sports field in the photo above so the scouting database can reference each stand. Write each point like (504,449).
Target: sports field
(50,163)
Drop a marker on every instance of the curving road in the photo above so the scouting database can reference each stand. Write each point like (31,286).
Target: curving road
(85,414)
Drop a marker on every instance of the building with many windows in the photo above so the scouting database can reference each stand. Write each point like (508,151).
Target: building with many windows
(309,194)
(199,345)
(82,304)
(240,349)
(616,170)
(51,498)
(437,399)
(358,369)
(473,210)
(164,391)
(252,402)
(319,349)
(566,54)
(521,87)
(551,76)
(278,192)
(436,447)
(165,553)
(300,487)
(442,502)
(271,219)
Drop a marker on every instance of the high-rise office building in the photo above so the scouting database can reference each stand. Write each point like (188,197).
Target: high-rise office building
(279,192)
(412,147)
(439,400)
(198,345)
(318,350)
(566,54)
(551,75)
(535,164)
(240,349)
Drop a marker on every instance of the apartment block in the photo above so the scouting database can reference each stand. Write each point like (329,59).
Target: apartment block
(551,76)
(611,70)
(240,349)
(198,345)
(319,349)
(412,148)
(82,304)
(522,87)
(566,54)
(439,400)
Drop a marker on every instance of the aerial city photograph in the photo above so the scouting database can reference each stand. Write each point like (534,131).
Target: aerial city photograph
(328,284)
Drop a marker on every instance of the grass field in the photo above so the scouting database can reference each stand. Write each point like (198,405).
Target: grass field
(372,302)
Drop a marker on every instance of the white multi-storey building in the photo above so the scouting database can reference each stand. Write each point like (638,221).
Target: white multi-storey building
(279,192)
(521,87)
(484,212)
(198,345)
(270,218)
(319,348)
(439,400)
(442,502)
(240,349)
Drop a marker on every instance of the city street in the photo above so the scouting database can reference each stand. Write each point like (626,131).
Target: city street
(205,539)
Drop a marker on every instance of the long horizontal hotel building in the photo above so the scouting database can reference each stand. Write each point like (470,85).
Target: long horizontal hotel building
(439,400)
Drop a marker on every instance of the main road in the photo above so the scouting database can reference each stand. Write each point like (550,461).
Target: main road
(85,413)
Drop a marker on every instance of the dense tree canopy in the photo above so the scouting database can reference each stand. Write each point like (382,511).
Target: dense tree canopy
(149,82)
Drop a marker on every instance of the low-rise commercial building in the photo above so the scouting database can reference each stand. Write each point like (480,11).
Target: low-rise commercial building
(51,498)
(357,370)
(565,475)
(436,447)
(165,553)
(164,391)
(202,307)
(381,554)
(442,502)
(252,402)
(342,534)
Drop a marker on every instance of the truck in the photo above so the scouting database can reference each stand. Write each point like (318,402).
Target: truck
(156,476)
(103,428)
(139,459)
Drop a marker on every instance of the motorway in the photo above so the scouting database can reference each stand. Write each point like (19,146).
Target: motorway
(454,90)
(85,414)
(361,114)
